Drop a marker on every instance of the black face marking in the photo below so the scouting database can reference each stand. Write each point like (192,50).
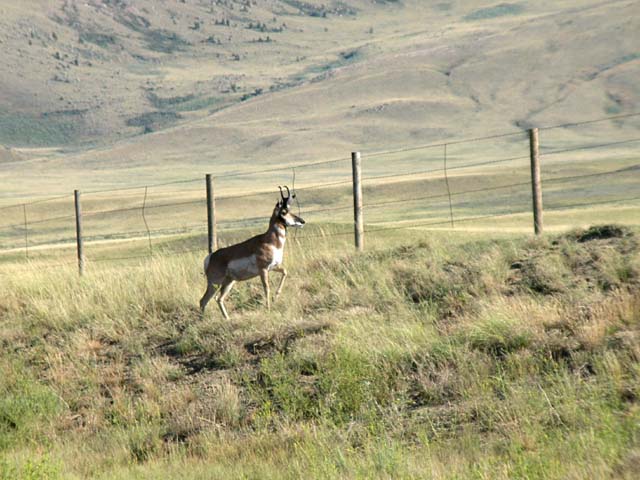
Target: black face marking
(283,209)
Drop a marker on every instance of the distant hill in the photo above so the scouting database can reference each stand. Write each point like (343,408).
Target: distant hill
(191,84)
(83,71)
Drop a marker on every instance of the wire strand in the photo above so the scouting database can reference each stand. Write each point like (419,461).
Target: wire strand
(148,207)
(589,147)
(441,144)
(35,202)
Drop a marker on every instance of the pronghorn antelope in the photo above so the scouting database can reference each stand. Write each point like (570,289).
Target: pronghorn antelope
(256,256)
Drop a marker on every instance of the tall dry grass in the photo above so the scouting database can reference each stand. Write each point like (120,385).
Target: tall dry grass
(435,358)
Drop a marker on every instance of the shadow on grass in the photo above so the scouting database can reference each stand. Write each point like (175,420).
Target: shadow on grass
(282,341)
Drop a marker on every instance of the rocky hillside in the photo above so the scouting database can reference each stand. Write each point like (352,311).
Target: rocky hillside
(75,71)
(186,85)
(102,69)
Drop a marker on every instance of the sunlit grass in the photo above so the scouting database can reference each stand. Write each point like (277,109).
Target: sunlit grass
(432,356)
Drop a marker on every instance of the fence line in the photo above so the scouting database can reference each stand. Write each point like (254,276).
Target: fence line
(345,233)
(338,234)
(35,202)
(591,147)
(501,214)
(445,195)
(455,167)
(131,209)
(270,192)
(279,169)
(336,160)
(590,204)
(35,222)
(150,212)
(442,144)
(137,234)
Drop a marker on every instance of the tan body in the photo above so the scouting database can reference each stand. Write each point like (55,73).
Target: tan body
(254,257)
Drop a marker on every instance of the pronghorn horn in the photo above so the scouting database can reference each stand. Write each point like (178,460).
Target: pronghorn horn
(281,194)
(288,192)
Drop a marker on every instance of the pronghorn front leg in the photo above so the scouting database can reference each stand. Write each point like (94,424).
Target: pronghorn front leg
(264,276)
(283,271)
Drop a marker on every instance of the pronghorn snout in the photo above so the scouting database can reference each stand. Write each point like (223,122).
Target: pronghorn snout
(299,222)
(293,220)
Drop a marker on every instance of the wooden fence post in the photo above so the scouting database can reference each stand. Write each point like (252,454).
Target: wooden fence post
(211,215)
(357,200)
(76,195)
(536,184)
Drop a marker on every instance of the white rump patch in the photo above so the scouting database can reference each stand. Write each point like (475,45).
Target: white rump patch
(206,263)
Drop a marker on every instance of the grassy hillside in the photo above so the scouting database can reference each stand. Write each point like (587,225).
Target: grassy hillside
(436,357)
(145,92)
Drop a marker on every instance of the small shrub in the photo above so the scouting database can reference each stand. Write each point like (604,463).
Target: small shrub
(143,442)
(495,11)
(499,336)
(449,289)
(27,407)
(153,120)
(351,386)
(543,273)
(278,388)
(165,41)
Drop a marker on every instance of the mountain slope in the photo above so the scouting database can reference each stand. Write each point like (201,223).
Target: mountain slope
(352,75)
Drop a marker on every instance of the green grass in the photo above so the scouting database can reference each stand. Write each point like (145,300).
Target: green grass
(153,120)
(429,356)
(499,10)
(37,130)
(187,103)
(165,41)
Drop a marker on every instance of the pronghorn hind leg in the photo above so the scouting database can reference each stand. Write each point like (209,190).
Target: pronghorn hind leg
(283,271)
(225,288)
(264,276)
(211,291)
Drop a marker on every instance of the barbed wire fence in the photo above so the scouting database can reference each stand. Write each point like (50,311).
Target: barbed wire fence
(449,185)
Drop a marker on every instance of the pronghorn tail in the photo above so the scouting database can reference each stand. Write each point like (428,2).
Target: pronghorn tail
(206,262)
